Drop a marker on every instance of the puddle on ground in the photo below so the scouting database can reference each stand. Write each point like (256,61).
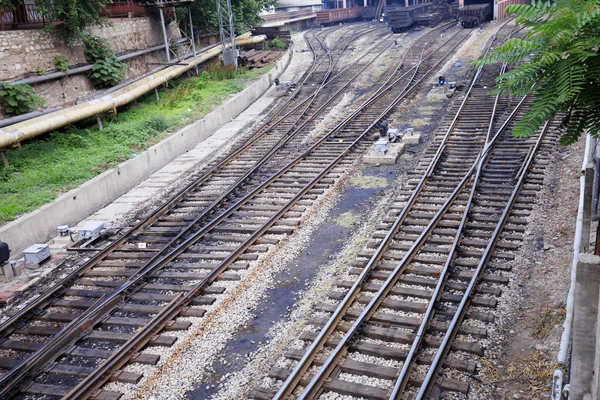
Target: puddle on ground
(325,244)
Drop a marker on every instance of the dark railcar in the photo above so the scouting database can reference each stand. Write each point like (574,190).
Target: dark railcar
(402,18)
(325,17)
(472,15)
(368,13)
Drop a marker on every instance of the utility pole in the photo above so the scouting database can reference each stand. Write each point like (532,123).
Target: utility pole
(230,54)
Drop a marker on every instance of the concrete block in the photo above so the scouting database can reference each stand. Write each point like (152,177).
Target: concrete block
(7,272)
(18,269)
(395,150)
(411,138)
(585,344)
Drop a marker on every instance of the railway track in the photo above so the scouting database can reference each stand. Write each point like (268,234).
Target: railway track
(407,321)
(81,333)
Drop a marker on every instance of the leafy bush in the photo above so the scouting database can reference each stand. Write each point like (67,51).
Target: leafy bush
(96,49)
(277,43)
(61,63)
(18,99)
(156,123)
(218,72)
(108,72)
(69,18)
(135,133)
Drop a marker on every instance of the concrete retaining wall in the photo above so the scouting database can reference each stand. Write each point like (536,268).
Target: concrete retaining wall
(77,204)
(24,52)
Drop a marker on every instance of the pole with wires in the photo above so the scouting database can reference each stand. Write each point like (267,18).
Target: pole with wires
(226,31)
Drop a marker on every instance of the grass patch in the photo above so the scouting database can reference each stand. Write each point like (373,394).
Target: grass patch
(536,370)
(346,220)
(369,182)
(62,160)
(548,319)
(420,122)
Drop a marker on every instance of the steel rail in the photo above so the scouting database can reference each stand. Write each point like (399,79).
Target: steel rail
(94,381)
(46,296)
(353,291)
(69,332)
(141,225)
(104,305)
(314,385)
(444,348)
(402,379)
(210,208)
(303,365)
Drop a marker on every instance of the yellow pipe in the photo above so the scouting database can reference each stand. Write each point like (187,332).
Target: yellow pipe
(13,134)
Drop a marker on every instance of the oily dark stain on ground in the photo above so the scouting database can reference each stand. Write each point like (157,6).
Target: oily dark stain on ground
(325,244)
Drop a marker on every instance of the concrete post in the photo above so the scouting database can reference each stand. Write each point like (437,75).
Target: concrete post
(164,30)
(587,207)
(585,327)
(192,35)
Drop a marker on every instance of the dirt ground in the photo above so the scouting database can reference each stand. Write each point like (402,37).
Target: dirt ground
(521,362)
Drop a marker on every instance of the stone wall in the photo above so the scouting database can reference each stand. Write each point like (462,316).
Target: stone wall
(26,53)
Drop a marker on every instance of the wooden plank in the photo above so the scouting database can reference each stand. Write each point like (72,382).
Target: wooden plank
(338,386)
(142,358)
(38,330)
(9,363)
(47,390)
(160,340)
(21,346)
(173,326)
(122,376)
(388,303)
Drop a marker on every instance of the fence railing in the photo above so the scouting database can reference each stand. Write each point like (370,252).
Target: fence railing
(26,16)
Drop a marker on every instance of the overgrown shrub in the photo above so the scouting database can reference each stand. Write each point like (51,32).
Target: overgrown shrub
(61,63)
(96,49)
(18,99)
(108,72)
(138,132)
(218,72)
(277,43)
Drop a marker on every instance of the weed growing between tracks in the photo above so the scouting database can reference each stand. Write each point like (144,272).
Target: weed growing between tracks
(62,160)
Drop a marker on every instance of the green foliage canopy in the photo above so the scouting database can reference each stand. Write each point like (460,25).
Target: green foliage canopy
(559,54)
(72,16)
(245,13)
(18,99)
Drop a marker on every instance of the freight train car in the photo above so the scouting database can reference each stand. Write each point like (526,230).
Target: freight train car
(403,18)
(473,15)
(368,13)
(326,17)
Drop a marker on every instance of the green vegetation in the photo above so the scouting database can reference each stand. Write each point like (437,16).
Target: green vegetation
(277,43)
(107,70)
(559,55)
(96,49)
(70,17)
(60,161)
(18,99)
(205,18)
(61,63)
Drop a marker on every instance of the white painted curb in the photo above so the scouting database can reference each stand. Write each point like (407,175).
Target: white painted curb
(39,226)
